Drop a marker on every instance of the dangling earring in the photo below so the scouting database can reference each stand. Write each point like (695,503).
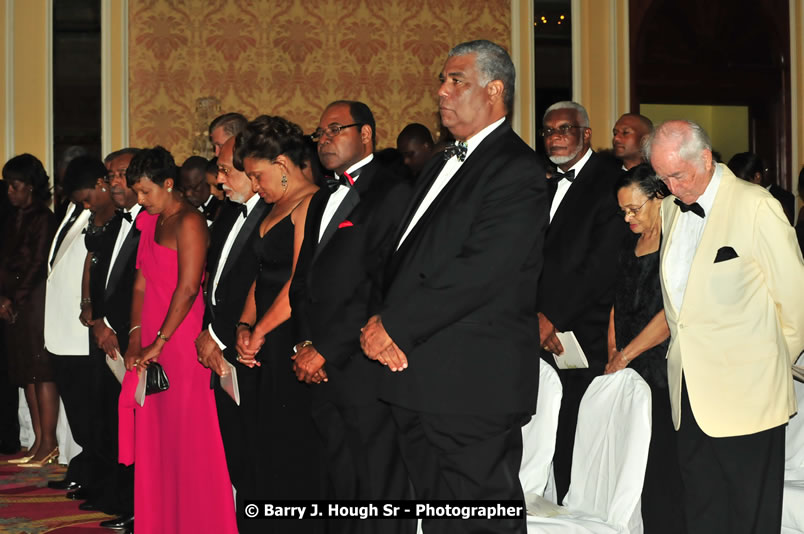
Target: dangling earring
(284,183)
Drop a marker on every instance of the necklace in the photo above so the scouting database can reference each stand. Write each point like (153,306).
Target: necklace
(162,218)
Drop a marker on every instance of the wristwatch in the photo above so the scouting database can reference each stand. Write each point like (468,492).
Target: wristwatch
(162,336)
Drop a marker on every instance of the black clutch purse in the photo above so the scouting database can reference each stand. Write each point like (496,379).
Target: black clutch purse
(155,379)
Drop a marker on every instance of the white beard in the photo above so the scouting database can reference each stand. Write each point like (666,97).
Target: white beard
(560,160)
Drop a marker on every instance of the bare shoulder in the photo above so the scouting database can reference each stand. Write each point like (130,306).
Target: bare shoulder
(192,223)
(299,213)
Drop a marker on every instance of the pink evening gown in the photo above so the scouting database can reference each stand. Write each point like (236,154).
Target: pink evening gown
(181,483)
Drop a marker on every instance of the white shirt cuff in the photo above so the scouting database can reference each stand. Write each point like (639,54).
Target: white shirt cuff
(218,341)
(106,322)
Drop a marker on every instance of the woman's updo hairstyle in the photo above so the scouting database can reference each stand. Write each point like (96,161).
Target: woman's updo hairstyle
(155,163)
(644,177)
(267,137)
(27,169)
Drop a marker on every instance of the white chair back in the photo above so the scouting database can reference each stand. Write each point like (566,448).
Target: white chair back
(794,439)
(539,434)
(611,450)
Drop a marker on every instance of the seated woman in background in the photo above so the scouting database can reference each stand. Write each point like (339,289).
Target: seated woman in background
(181,482)
(23,275)
(638,337)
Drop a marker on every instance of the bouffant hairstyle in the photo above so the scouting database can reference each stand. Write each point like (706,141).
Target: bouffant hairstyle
(155,163)
(83,173)
(644,177)
(27,169)
(267,137)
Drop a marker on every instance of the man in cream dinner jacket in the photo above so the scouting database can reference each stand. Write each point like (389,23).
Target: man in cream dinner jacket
(733,281)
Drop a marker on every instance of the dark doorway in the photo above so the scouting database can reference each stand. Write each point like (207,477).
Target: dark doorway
(718,53)
(76,76)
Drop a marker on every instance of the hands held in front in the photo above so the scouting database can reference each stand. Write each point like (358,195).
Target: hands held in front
(248,345)
(308,364)
(210,354)
(86,314)
(617,362)
(547,336)
(378,345)
(7,310)
(106,339)
(139,356)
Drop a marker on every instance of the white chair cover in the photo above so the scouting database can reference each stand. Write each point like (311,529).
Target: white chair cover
(539,435)
(609,459)
(793,501)
(68,448)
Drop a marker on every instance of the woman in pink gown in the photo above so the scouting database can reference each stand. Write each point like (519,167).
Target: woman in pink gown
(181,483)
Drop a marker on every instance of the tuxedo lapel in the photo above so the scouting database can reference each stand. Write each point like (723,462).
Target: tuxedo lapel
(576,190)
(128,248)
(668,236)
(349,202)
(254,218)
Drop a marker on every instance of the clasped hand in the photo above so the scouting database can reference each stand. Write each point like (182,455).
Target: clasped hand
(106,339)
(378,345)
(308,364)
(210,354)
(248,345)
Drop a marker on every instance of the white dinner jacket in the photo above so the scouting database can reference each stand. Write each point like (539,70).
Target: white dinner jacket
(64,333)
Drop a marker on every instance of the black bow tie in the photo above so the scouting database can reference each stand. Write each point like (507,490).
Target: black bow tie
(569,175)
(242,210)
(694,207)
(348,179)
(458,150)
(126,215)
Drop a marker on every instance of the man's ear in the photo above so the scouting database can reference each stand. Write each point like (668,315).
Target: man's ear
(365,134)
(495,90)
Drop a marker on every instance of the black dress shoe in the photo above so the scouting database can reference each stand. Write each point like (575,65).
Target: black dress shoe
(123,522)
(78,495)
(88,506)
(64,484)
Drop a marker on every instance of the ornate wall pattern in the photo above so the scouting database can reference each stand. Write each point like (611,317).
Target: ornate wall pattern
(291,58)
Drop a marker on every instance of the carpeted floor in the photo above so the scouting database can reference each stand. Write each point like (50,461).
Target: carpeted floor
(27,506)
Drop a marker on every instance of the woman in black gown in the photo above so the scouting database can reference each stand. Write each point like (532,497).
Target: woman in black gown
(272,152)
(638,338)
(28,234)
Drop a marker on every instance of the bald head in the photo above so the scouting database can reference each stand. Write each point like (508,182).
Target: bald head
(627,135)
(681,154)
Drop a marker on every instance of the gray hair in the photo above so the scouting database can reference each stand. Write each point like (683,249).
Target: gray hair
(70,153)
(691,136)
(583,116)
(493,63)
(122,152)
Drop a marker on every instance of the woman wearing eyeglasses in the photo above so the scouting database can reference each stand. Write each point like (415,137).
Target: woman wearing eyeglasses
(638,338)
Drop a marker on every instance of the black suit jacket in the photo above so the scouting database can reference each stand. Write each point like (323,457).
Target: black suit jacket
(786,199)
(459,295)
(238,273)
(576,291)
(330,292)
(118,294)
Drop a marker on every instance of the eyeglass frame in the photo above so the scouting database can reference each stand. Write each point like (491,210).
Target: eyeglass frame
(632,212)
(562,130)
(333,130)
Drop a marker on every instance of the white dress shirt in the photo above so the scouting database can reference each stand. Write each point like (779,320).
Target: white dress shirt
(227,248)
(335,199)
(686,237)
(564,185)
(447,172)
(122,234)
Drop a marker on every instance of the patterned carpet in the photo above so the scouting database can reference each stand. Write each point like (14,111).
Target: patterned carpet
(27,506)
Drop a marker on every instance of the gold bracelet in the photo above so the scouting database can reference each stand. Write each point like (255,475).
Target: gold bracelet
(163,337)
(306,343)
(133,328)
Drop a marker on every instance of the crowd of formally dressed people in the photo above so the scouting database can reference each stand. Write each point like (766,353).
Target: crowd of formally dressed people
(337,322)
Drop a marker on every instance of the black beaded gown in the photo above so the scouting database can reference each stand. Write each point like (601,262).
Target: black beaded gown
(290,460)
(638,298)
(100,241)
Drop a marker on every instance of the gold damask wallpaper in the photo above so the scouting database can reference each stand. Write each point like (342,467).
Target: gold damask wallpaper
(192,59)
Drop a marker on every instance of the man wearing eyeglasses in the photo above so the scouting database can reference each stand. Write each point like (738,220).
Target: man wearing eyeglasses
(457,323)
(576,290)
(348,232)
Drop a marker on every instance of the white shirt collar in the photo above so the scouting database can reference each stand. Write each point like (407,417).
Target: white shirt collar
(473,142)
(580,163)
(708,198)
(251,202)
(134,211)
(360,164)
(209,199)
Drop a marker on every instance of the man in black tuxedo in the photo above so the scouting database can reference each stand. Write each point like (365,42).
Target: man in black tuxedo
(115,491)
(196,189)
(457,322)
(576,290)
(348,232)
(232,267)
